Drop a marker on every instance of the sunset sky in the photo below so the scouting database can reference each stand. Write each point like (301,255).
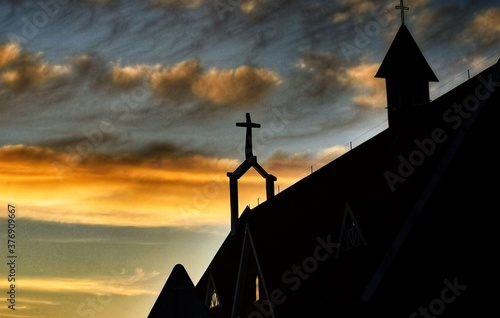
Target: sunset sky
(118,125)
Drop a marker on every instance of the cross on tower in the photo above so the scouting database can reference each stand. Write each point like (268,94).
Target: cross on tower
(402,8)
(248,143)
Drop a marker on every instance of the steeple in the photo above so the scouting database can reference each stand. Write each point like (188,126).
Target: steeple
(250,161)
(407,76)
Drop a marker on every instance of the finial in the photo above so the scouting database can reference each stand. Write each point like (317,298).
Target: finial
(248,144)
(402,8)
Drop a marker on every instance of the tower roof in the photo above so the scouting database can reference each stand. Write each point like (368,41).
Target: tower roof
(404,59)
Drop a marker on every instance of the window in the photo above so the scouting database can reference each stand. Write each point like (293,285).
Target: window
(352,238)
(257,288)
(350,234)
(214,300)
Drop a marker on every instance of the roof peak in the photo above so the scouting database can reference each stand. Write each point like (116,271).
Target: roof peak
(404,59)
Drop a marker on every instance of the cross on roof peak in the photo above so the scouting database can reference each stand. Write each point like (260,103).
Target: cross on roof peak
(402,8)
(248,143)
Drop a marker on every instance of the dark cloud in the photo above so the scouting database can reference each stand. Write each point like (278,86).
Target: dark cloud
(88,142)
(176,82)
(21,71)
(176,4)
(165,150)
(438,25)
(320,72)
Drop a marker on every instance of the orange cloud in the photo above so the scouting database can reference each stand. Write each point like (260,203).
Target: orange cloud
(240,86)
(360,6)
(486,27)
(177,81)
(371,90)
(132,190)
(130,76)
(118,284)
(282,160)
(340,17)
(250,6)
(122,190)
(22,71)
(9,52)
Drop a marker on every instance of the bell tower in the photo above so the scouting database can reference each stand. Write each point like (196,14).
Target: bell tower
(407,75)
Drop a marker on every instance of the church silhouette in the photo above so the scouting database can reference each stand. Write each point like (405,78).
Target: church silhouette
(399,226)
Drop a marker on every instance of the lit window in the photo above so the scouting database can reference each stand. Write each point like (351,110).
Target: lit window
(214,300)
(257,288)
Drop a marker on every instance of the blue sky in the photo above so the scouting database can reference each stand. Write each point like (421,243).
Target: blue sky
(118,124)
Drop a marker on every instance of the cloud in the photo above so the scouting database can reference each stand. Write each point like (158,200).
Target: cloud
(101,2)
(9,52)
(282,160)
(437,24)
(485,28)
(26,154)
(176,82)
(370,91)
(21,71)
(358,6)
(244,85)
(259,8)
(340,17)
(323,72)
(130,76)
(117,284)
(250,6)
(87,66)
(320,72)
(169,4)
(160,187)
(121,190)
(355,11)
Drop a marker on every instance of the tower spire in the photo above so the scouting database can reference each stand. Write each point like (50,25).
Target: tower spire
(402,8)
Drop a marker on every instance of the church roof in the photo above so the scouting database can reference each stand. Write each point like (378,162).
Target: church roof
(404,59)
(399,205)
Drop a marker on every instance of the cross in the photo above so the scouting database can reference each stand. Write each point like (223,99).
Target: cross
(248,144)
(402,8)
